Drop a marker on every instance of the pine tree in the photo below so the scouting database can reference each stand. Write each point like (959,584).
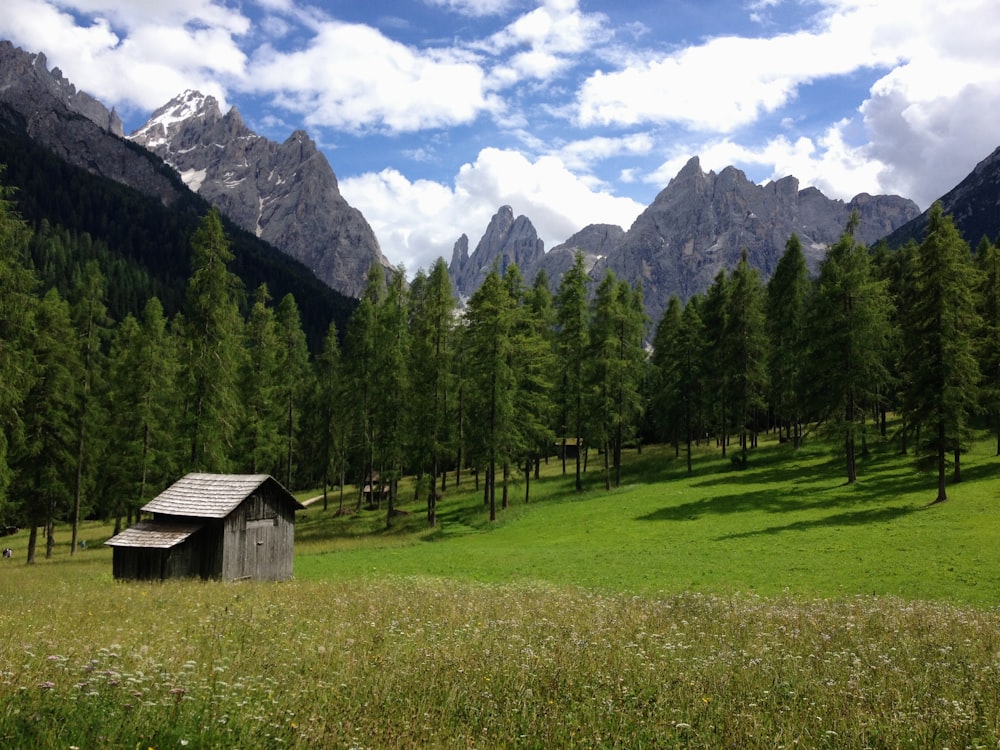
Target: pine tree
(294,382)
(787,292)
(17,305)
(45,457)
(432,326)
(328,413)
(848,335)
(214,332)
(571,356)
(745,346)
(939,336)
(715,367)
(90,318)
(988,258)
(261,435)
(143,406)
(493,383)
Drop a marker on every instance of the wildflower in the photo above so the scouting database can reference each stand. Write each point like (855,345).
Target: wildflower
(47,685)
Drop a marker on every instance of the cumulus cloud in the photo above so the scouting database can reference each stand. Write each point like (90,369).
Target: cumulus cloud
(352,77)
(419,221)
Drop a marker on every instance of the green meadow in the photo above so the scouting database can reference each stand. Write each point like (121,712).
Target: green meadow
(760,607)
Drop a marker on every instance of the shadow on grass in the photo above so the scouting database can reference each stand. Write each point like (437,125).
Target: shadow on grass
(852,518)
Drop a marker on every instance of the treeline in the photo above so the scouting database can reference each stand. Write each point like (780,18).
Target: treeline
(99,414)
(915,332)
(141,246)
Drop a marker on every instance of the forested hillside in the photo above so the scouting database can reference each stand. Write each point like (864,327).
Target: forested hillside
(102,407)
(141,246)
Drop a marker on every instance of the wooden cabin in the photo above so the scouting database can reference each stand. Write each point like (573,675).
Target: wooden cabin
(213,526)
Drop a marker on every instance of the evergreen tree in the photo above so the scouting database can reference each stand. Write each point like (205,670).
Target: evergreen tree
(45,458)
(715,367)
(745,347)
(391,355)
(848,335)
(492,380)
(90,318)
(143,403)
(215,352)
(17,305)
(691,357)
(532,362)
(571,355)
(787,292)
(432,341)
(940,330)
(294,382)
(359,357)
(988,260)
(328,422)
(665,399)
(262,445)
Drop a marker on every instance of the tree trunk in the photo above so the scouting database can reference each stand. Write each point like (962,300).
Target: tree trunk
(942,493)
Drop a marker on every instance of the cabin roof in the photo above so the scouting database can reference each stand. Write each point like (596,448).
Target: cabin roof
(200,495)
(154,534)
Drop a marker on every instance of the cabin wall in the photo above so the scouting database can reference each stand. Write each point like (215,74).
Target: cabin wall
(258,539)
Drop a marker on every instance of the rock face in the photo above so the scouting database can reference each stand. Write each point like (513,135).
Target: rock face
(287,194)
(701,223)
(595,241)
(974,204)
(74,125)
(507,240)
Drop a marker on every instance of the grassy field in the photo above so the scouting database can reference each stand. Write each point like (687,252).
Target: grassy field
(772,606)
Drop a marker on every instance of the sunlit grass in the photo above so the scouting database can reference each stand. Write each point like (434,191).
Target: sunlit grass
(765,607)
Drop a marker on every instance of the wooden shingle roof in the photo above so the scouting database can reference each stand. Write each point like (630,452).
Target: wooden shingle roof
(210,495)
(154,534)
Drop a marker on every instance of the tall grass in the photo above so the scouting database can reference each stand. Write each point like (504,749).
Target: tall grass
(731,608)
(414,662)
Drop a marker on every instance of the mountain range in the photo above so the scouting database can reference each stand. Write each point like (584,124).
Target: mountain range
(286,195)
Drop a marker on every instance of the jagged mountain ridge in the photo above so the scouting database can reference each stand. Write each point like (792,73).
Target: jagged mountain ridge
(974,204)
(698,225)
(287,194)
(70,169)
(702,222)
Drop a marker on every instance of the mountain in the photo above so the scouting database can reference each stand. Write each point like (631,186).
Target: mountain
(287,194)
(77,180)
(595,241)
(507,240)
(702,222)
(974,204)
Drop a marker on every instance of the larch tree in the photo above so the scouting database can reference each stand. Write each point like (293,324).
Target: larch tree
(327,420)
(432,324)
(45,457)
(215,351)
(715,367)
(848,324)
(745,345)
(532,363)
(492,380)
(294,381)
(787,292)
(665,393)
(988,261)
(572,328)
(939,341)
(92,323)
(17,304)
(262,446)
(143,398)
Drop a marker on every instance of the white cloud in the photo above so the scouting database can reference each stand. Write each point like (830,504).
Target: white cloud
(474,8)
(354,78)
(419,221)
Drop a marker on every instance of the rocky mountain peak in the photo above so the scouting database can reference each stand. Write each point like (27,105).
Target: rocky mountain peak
(702,222)
(287,193)
(506,241)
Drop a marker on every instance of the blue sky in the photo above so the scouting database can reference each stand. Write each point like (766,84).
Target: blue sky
(434,113)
